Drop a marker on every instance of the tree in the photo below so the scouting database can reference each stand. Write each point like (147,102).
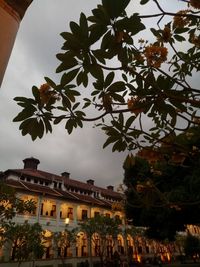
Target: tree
(63,240)
(140,91)
(166,190)
(192,246)
(10,204)
(26,240)
(98,230)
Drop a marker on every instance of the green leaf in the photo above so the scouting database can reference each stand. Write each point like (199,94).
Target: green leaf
(87,104)
(109,79)
(100,17)
(181,30)
(143,2)
(36,93)
(119,146)
(47,125)
(132,24)
(83,25)
(72,42)
(33,127)
(75,105)
(66,102)
(179,38)
(50,82)
(110,140)
(68,77)
(107,41)
(25,113)
(68,64)
(129,122)
(26,101)
(40,129)
(96,72)
(69,126)
(75,28)
(117,97)
(96,32)
(116,87)
(155,32)
(59,119)
(115,8)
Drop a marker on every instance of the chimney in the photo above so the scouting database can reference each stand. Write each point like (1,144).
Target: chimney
(90,181)
(110,187)
(65,174)
(31,163)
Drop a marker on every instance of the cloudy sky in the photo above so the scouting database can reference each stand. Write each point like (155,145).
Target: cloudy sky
(33,57)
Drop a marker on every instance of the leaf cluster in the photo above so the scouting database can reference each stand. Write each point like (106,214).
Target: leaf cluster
(10,204)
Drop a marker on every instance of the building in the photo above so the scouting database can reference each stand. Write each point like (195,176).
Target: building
(61,200)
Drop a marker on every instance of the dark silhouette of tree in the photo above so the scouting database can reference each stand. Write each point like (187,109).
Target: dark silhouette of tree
(163,195)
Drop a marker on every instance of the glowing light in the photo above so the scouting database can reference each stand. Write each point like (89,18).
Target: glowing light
(66,220)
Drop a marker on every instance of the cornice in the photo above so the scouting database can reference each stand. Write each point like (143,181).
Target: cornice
(19,6)
(10,10)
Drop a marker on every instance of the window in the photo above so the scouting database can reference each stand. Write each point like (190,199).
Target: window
(42,207)
(53,211)
(28,179)
(35,181)
(55,184)
(84,214)
(70,213)
(60,185)
(46,183)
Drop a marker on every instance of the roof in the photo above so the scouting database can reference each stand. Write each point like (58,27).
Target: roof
(88,192)
(36,174)
(68,182)
(58,193)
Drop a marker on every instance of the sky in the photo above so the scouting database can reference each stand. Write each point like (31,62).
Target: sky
(33,57)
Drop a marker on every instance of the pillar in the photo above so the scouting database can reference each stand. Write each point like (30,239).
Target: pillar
(11,14)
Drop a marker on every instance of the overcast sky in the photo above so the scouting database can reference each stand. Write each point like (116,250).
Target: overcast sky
(33,57)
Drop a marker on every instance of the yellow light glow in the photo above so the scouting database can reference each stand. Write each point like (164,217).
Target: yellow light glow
(66,220)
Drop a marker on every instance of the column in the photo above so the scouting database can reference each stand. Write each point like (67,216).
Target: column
(11,14)
(57,213)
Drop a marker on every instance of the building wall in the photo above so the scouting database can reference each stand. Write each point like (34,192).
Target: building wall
(55,222)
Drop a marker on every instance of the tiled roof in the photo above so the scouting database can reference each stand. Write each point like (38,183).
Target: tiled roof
(66,194)
(21,185)
(15,184)
(32,187)
(81,185)
(90,199)
(68,182)
(37,174)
